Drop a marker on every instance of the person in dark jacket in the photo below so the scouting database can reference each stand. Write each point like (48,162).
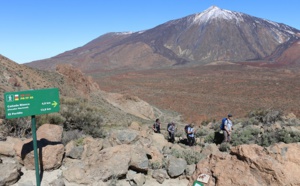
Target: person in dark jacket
(156,126)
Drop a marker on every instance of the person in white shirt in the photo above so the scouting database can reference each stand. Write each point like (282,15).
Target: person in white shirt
(228,129)
(191,135)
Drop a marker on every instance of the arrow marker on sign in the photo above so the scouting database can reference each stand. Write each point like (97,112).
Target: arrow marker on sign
(54,104)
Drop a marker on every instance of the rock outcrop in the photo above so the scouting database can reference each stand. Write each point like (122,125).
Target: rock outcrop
(50,148)
(10,173)
(88,161)
(253,165)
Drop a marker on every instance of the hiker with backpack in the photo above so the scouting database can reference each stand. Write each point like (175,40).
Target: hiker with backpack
(156,126)
(186,128)
(191,134)
(226,127)
(171,129)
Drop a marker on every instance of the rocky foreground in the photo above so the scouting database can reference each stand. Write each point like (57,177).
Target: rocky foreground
(137,156)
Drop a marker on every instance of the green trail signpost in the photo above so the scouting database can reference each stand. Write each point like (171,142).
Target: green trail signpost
(31,103)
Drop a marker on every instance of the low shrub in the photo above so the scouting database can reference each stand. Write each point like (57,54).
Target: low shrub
(155,165)
(246,135)
(289,136)
(71,135)
(224,147)
(17,127)
(263,116)
(52,118)
(209,138)
(79,141)
(292,122)
(268,139)
(192,157)
(82,117)
(176,153)
(201,132)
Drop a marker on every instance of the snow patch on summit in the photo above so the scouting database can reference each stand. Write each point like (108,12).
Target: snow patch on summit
(215,12)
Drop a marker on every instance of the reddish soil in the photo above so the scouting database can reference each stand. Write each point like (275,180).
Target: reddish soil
(210,92)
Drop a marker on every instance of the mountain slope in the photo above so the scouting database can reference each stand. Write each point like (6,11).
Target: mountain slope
(213,35)
(73,84)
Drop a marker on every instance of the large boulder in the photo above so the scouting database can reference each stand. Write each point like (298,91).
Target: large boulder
(118,137)
(160,175)
(253,165)
(159,141)
(155,156)
(134,178)
(75,173)
(101,166)
(9,174)
(52,155)
(50,148)
(135,126)
(71,151)
(139,160)
(91,146)
(52,133)
(7,147)
(176,166)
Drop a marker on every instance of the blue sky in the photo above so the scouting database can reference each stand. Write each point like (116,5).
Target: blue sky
(38,29)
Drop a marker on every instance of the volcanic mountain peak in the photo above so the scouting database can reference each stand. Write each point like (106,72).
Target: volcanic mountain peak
(215,12)
(213,35)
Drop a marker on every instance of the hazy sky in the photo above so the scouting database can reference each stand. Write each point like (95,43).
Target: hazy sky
(38,29)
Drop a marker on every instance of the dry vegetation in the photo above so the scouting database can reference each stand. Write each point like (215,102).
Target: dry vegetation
(210,92)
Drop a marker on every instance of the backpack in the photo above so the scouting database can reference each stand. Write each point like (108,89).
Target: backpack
(222,127)
(186,128)
(169,124)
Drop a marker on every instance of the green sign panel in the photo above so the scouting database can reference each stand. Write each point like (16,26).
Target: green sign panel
(31,102)
(197,183)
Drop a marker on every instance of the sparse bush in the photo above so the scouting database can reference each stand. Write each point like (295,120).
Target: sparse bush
(164,163)
(69,101)
(179,133)
(292,122)
(17,127)
(201,132)
(247,135)
(205,122)
(289,136)
(192,157)
(209,138)
(216,126)
(268,139)
(79,141)
(224,147)
(82,117)
(272,116)
(71,135)
(265,116)
(258,114)
(250,121)
(155,165)
(176,153)
(53,118)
